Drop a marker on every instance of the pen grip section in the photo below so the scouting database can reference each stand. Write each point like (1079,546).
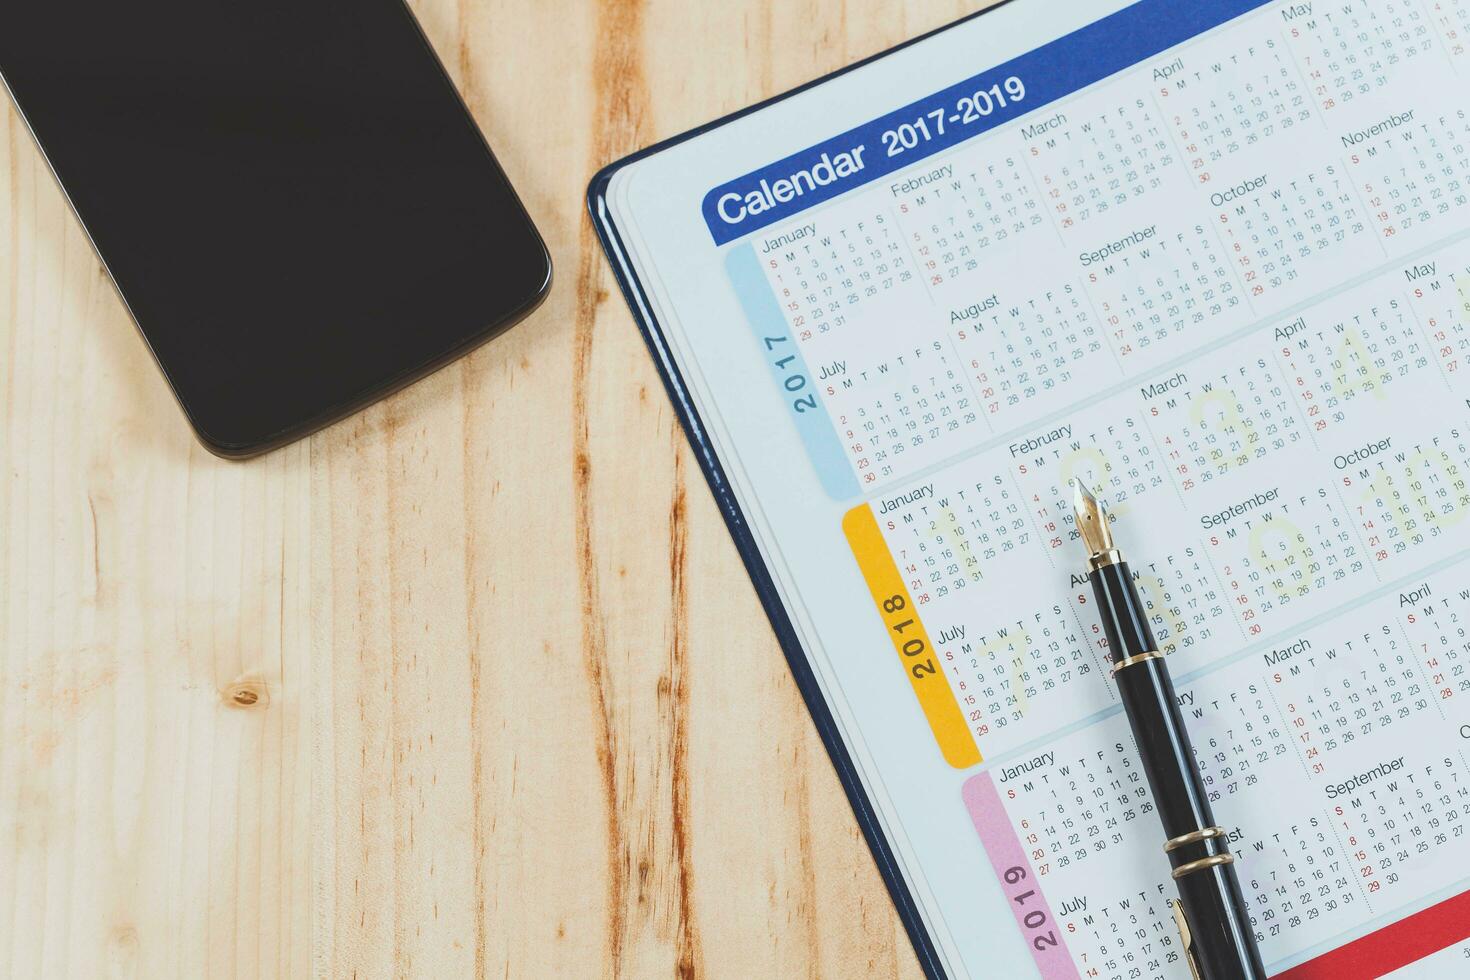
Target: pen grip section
(1219,927)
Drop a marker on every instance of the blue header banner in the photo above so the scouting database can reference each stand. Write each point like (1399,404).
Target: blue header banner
(962,111)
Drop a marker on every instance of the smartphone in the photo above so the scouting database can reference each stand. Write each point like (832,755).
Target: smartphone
(292,199)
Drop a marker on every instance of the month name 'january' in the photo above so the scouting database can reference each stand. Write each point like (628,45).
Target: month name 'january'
(788,238)
(1030,765)
(904,499)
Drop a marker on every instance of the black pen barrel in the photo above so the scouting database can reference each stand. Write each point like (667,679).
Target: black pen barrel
(1124,619)
(1198,850)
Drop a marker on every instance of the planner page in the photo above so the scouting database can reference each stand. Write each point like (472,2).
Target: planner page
(1210,258)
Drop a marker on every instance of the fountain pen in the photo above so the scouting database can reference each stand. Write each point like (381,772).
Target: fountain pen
(1214,925)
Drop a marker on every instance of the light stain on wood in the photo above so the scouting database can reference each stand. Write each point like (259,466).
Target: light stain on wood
(430,693)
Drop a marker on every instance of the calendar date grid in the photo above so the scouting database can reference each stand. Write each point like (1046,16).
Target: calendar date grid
(1080,407)
(1256,648)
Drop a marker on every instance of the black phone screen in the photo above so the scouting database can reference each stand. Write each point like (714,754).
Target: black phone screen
(293,200)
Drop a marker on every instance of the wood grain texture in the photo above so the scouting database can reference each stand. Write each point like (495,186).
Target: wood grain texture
(472,683)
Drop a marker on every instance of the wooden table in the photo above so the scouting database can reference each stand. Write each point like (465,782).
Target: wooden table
(472,683)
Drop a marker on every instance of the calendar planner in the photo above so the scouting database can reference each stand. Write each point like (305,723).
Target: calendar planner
(1210,259)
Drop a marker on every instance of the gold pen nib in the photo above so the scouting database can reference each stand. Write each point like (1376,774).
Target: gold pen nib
(1092,521)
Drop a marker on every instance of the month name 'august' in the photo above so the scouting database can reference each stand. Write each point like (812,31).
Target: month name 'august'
(974,309)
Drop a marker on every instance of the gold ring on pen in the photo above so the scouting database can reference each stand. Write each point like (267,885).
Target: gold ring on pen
(1137,658)
(1193,837)
(1213,861)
